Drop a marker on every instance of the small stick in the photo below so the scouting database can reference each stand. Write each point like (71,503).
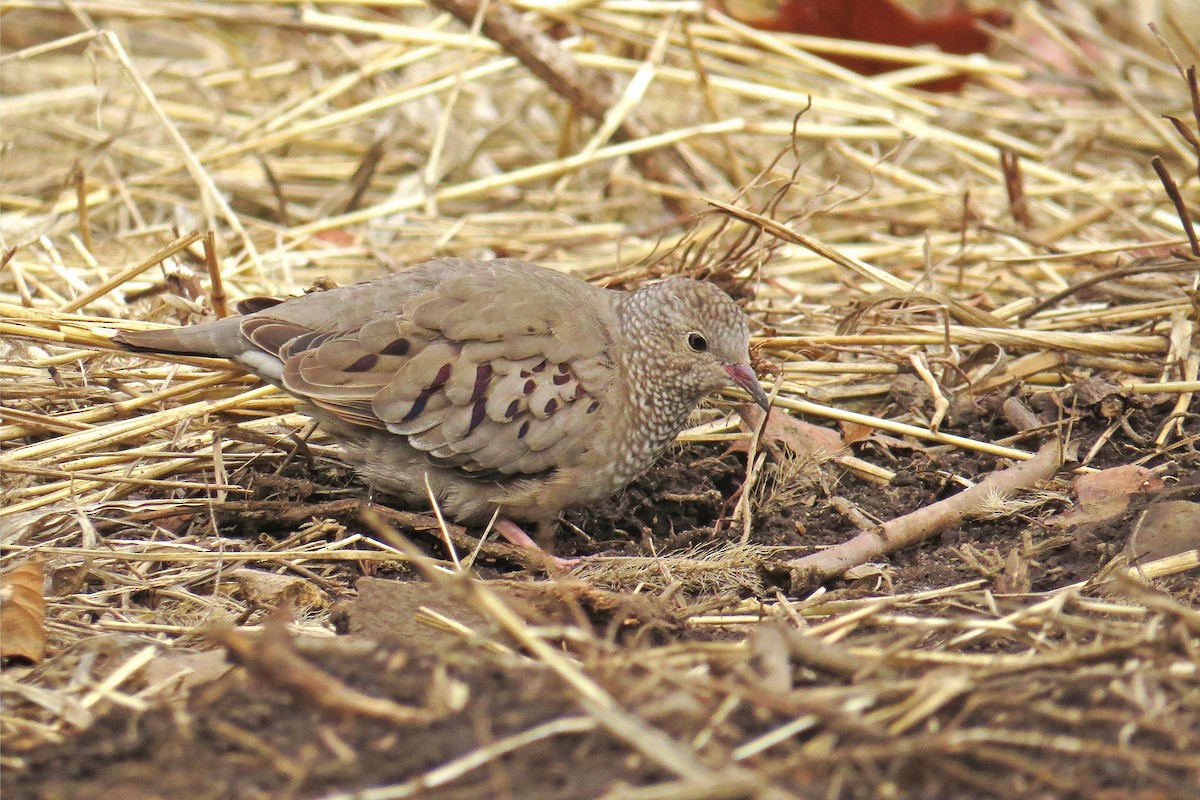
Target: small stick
(456,768)
(1014,184)
(1189,77)
(1188,137)
(542,56)
(940,403)
(1194,92)
(81,207)
(49,47)
(360,181)
(217,284)
(132,272)
(437,512)
(18,276)
(1172,190)
(1117,274)
(1020,416)
(924,523)
(276,190)
(272,657)
(1162,40)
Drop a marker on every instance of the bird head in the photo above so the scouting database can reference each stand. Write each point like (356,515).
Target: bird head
(693,337)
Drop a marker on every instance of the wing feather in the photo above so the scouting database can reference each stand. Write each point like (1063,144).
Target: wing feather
(494,374)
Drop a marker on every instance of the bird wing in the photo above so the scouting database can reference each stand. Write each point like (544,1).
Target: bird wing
(495,375)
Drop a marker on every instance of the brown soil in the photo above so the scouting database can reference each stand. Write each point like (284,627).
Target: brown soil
(237,738)
(243,736)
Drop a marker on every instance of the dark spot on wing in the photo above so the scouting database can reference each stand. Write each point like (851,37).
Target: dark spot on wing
(478,414)
(524,430)
(483,374)
(551,405)
(418,405)
(364,364)
(442,376)
(530,385)
(513,408)
(396,347)
(595,405)
(541,366)
(559,380)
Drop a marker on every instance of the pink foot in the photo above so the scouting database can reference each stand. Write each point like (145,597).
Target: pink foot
(518,537)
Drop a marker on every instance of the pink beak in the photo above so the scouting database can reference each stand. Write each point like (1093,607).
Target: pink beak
(743,375)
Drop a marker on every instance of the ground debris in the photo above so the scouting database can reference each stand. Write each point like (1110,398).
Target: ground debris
(938,286)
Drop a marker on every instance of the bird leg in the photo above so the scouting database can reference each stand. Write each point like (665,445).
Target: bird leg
(518,537)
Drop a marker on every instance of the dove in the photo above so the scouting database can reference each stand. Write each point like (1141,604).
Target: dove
(493,385)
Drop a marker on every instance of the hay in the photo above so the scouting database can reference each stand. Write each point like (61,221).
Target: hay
(1014,235)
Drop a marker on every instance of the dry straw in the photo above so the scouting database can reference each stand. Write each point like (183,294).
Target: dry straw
(1011,238)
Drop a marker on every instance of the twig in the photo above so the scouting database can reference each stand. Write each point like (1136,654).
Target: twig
(217,284)
(121,277)
(272,657)
(1172,189)
(1018,203)
(925,522)
(81,206)
(1116,274)
(579,86)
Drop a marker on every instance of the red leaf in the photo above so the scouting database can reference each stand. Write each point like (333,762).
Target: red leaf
(878,21)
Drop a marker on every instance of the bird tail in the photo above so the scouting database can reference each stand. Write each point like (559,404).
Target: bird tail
(220,339)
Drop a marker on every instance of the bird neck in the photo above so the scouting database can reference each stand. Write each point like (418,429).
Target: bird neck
(657,402)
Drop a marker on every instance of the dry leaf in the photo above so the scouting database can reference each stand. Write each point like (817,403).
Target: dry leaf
(853,432)
(186,669)
(1105,494)
(802,438)
(272,589)
(23,613)
(868,570)
(1166,529)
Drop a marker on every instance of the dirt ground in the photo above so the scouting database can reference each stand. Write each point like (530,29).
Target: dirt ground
(1032,729)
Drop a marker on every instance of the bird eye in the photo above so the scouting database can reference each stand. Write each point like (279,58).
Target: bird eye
(697,342)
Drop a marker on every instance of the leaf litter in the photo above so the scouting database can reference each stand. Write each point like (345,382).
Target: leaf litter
(941,285)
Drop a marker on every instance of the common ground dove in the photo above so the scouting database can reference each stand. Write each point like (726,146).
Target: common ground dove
(502,383)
